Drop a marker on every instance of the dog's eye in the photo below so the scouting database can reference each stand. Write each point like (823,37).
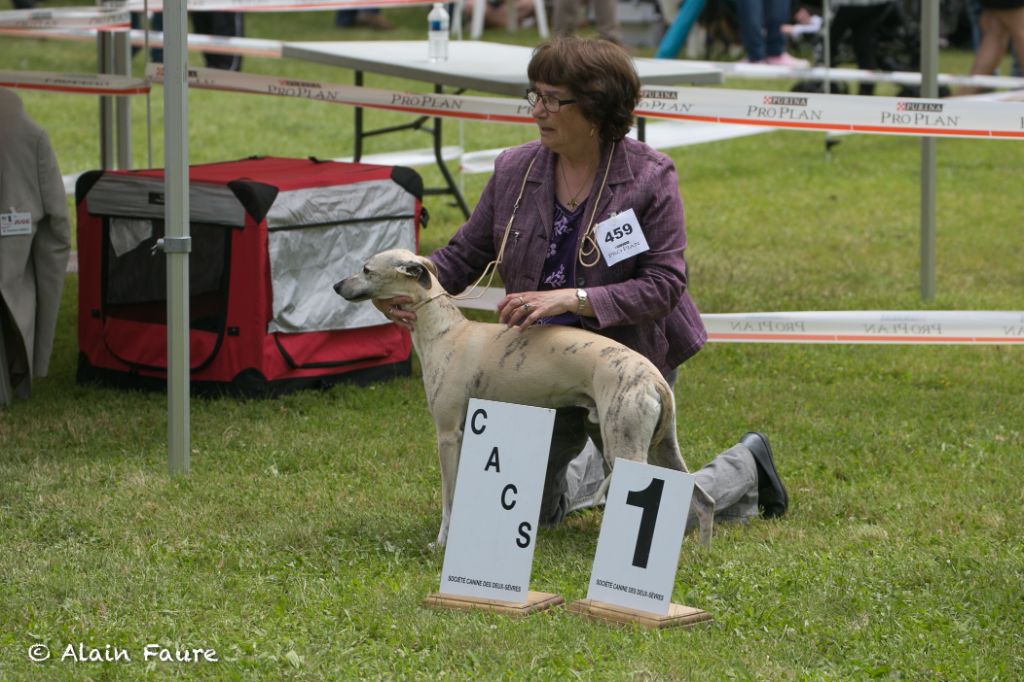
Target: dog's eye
(366,270)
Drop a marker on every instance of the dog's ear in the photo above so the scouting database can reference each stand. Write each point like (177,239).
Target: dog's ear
(416,270)
(430,265)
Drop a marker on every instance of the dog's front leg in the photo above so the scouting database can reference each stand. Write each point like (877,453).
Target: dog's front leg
(448,444)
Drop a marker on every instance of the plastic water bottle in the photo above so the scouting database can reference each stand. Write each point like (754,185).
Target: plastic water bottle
(437,33)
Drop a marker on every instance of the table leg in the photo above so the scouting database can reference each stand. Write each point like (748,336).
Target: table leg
(357,152)
(452,187)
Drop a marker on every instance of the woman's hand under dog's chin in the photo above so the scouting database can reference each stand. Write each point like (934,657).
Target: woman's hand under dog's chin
(392,309)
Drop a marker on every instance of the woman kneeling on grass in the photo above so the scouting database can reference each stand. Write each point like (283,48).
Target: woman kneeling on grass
(594,236)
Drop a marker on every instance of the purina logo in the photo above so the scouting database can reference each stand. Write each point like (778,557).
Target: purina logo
(648,93)
(929,107)
(779,100)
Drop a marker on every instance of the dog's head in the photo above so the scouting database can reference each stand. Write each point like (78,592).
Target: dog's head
(397,272)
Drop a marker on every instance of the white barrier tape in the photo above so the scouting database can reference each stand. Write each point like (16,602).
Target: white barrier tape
(78,83)
(933,327)
(451,106)
(876,327)
(848,113)
(820,73)
(274,5)
(197,42)
(958,117)
(95,17)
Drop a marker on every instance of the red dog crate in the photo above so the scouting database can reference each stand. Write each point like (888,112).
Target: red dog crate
(270,237)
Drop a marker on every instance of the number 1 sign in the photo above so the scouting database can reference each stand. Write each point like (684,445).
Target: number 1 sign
(641,534)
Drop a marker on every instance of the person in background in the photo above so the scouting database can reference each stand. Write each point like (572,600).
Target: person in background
(35,243)
(974,15)
(998,25)
(229,24)
(761,32)
(565,18)
(860,19)
(582,170)
(366,18)
(496,13)
(804,23)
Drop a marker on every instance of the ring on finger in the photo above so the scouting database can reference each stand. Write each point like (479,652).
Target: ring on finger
(526,307)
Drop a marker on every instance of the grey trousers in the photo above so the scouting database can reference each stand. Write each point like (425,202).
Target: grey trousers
(574,476)
(565,18)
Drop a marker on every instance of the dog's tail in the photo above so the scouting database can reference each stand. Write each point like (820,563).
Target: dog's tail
(667,419)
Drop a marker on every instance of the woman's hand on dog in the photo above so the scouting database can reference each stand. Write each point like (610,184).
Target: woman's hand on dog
(392,309)
(523,309)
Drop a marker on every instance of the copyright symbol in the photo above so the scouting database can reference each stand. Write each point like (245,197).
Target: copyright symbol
(38,653)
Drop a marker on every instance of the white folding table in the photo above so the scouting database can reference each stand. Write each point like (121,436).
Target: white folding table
(495,68)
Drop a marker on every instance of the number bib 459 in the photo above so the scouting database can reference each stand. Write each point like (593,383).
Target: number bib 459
(621,237)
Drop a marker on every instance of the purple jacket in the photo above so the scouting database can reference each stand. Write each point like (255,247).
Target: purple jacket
(643,301)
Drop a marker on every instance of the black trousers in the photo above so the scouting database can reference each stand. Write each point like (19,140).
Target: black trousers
(209,23)
(862,23)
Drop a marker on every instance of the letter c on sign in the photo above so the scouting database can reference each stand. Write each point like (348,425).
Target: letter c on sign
(507,505)
(472,422)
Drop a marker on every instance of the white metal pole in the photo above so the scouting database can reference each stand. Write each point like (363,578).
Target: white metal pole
(177,240)
(105,58)
(123,107)
(929,88)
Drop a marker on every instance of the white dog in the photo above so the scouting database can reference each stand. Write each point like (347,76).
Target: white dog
(546,366)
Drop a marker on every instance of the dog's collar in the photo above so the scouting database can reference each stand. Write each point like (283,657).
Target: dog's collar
(428,300)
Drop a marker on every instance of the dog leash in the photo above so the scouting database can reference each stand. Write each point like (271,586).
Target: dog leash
(492,267)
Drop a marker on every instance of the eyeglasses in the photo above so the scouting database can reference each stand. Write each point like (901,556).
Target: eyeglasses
(551,102)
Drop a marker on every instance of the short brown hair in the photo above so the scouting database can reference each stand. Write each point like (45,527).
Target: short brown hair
(600,75)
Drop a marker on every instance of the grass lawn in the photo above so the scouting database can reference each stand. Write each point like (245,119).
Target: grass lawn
(297,547)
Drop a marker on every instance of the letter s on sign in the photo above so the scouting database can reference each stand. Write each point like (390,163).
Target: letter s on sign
(524,538)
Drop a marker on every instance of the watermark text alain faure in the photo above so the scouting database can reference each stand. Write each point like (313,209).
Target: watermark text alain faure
(81,652)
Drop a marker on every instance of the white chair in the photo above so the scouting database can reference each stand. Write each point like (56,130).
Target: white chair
(480,6)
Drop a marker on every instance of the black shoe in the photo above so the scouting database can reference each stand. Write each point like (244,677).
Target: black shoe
(771,495)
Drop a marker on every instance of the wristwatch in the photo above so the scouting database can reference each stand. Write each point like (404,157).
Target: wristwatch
(581,300)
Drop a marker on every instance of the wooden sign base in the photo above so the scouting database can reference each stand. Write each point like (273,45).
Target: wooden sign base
(677,616)
(535,601)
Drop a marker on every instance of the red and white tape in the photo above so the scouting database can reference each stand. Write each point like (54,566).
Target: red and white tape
(76,83)
(197,42)
(846,113)
(961,117)
(833,74)
(932,327)
(272,5)
(954,117)
(492,109)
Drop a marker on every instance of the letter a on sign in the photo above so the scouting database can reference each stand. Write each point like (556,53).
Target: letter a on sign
(496,508)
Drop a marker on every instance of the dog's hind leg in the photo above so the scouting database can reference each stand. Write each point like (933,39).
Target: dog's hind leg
(702,505)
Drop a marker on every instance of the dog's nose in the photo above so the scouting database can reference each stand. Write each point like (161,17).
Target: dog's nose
(337,287)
